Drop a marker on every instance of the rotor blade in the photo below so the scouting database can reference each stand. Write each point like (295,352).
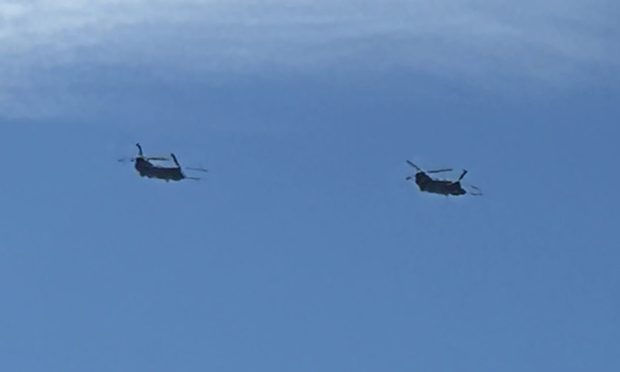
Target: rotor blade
(196,169)
(193,178)
(126,160)
(440,170)
(462,174)
(176,161)
(413,165)
(477,191)
(162,158)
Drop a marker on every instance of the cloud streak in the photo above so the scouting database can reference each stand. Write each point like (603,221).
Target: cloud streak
(557,42)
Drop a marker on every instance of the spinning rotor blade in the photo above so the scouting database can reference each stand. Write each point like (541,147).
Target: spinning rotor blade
(476,192)
(196,169)
(462,175)
(127,160)
(430,171)
(176,161)
(141,155)
(440,170)
(413,165)
(162,158)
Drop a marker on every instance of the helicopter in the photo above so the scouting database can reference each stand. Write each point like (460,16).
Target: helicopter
(443,187)
(146,168)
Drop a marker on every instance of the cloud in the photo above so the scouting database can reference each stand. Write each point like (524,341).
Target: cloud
(50,45)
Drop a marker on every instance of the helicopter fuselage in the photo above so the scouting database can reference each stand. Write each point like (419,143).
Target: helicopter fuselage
(147,169)
(443,187)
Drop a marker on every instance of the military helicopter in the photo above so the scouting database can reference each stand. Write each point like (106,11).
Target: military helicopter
(146,168)
(444,187)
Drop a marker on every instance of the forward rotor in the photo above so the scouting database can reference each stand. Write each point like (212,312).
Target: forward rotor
(148,158)
(429,171)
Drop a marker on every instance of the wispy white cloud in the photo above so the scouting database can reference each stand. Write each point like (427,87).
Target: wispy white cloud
(477,41)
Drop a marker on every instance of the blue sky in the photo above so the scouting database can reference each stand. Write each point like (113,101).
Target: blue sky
(304,249)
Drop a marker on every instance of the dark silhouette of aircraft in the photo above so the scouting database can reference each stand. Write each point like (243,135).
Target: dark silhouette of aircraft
(436,186)
(146,168)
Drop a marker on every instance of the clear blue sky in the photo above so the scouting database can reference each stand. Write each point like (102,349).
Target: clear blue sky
(305,249)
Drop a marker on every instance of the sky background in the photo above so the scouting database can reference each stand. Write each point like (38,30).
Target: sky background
(304,248)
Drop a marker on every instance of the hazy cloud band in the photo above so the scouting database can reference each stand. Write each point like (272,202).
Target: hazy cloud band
(555,42)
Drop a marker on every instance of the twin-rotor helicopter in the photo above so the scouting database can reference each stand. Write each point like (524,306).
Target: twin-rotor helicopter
(146,168)
(438,186)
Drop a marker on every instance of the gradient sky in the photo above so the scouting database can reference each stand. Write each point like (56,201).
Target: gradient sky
(305,249)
